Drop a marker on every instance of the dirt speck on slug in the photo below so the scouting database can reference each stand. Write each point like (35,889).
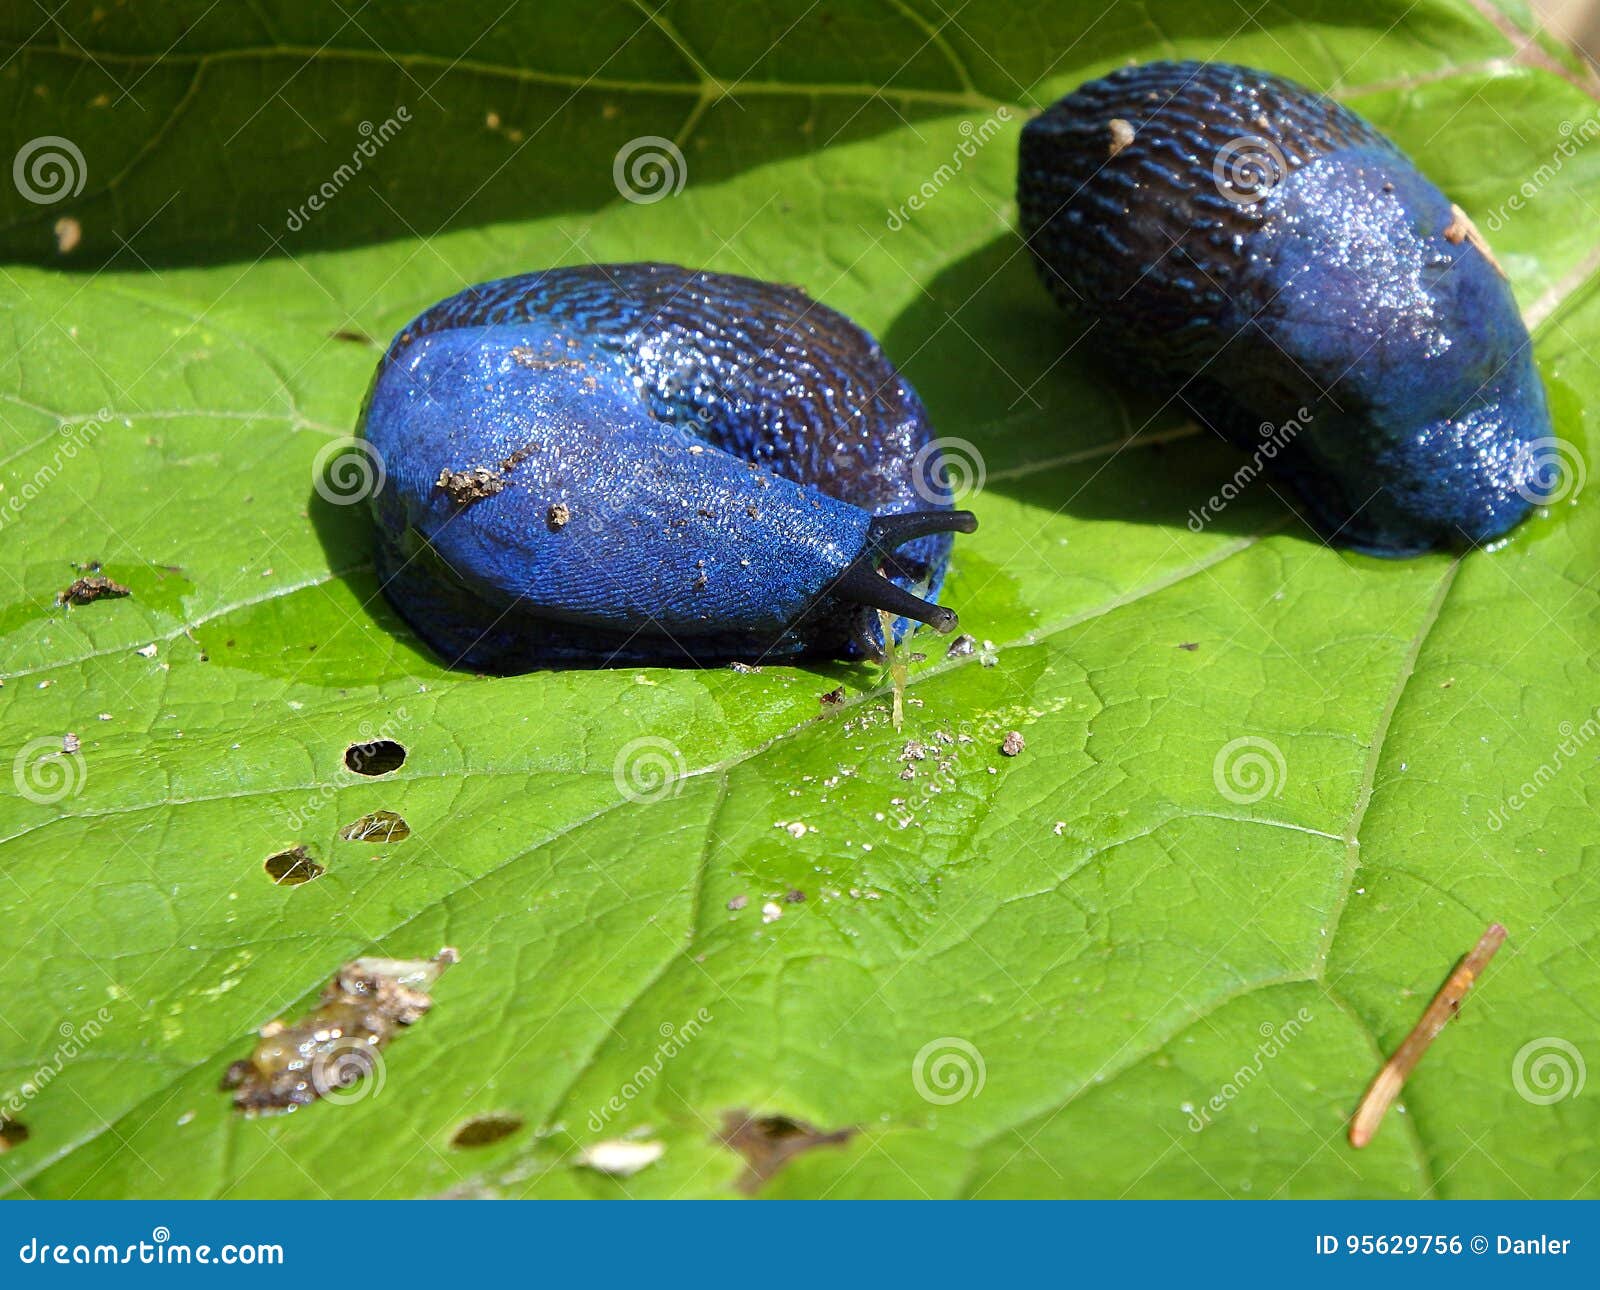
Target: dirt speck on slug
(467,486)
(1122,134)
(557,516)
(69,232)
(337,1044)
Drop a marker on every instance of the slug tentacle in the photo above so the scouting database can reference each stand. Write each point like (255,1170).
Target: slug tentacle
(639,463)
(1288,272)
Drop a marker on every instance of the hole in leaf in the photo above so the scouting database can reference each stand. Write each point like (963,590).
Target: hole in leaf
(378,826)
(482,1130)
(292,867)
(768,1142)
(13,1133)
(377,758)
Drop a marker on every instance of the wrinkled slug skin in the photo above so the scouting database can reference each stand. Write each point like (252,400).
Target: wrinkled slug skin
(1264,250)
(645,464)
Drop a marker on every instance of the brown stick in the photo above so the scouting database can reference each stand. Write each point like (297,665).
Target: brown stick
(1383,1090)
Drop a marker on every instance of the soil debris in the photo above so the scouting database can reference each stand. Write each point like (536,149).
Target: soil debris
(620,1157)
(738,903)
(13,1133)
(769,1142)
(483,1130)
(1013,743)
(467,486)
(1122,134)
(558,516)
(87,590)
(963,646)
(336,1046)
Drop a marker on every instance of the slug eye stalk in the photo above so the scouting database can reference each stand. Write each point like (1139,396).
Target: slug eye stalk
(862,583)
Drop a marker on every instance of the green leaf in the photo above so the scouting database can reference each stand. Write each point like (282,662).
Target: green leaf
(1122,948)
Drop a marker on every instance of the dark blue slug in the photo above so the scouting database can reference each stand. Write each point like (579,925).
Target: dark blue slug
(640,463)
(1288,270)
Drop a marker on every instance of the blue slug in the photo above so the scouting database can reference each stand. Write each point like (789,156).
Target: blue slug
(641,463)
(1289,271)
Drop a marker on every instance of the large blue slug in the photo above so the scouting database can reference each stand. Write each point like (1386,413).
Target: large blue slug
(1267,251)
(641,463)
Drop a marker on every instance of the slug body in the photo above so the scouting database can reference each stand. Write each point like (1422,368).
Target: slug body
(641,463)
(1312,296)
